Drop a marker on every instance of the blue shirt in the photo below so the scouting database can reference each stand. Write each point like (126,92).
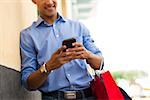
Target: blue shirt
(39,41)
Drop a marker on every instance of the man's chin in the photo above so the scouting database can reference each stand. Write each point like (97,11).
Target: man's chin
(51,15)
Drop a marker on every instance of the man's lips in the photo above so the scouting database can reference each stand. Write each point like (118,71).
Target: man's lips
(50,7)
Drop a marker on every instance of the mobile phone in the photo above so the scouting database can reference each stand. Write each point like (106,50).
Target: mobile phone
(68,43)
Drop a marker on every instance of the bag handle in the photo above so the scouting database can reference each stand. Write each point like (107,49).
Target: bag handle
(93,72)
(101,69)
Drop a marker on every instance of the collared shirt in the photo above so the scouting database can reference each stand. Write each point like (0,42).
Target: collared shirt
(39,41)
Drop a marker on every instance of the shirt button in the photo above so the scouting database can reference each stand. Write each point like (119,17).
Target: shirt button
(57,35)
(68,74)
(72,86)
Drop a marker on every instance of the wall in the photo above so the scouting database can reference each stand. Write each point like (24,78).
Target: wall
(14,15)
(11,89)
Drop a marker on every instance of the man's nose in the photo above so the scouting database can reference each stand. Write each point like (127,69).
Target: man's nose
(49,2)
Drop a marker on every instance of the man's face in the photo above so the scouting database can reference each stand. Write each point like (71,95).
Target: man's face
(47,8)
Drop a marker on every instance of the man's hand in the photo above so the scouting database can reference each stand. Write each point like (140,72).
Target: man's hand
(59,58)
(36,79)
(79,51)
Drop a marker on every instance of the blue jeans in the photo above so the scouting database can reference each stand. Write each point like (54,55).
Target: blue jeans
(60,98)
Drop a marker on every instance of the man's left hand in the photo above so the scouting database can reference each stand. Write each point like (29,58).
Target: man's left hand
(79,51)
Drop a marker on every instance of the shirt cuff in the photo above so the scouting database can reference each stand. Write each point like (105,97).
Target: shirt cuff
(24,80)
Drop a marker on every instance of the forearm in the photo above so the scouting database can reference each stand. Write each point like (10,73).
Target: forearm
(36,79)
(95,61)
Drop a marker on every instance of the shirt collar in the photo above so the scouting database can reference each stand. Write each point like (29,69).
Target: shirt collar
(41,20)
(62,18)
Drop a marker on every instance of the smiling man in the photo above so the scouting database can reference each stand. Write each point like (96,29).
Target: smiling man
(57,71)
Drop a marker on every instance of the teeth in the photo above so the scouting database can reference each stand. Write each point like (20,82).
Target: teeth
(50,7)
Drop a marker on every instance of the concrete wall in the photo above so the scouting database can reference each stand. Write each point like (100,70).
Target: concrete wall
(10,87)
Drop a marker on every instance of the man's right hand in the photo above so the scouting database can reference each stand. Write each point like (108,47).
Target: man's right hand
(59,58)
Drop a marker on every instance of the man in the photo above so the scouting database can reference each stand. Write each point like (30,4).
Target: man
(58,74)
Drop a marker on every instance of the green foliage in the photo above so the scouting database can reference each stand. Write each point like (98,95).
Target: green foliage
(128,75)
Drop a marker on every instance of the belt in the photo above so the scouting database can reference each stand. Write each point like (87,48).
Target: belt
(80,94)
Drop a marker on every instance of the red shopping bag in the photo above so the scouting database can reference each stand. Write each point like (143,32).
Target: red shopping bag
(105,88)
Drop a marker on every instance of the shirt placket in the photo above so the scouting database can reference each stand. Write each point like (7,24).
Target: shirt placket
(55,30)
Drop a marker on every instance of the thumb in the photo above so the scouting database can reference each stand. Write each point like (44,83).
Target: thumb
(60,49)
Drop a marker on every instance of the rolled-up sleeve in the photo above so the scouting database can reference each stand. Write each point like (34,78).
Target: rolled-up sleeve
(28,57)
(88,42)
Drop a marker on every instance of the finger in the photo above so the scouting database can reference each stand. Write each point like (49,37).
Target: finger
(76,49)
(72,57)
(61,49)
(68,56)
(78,57)
(66,59)
(77,44)
(67,53)
(81,55)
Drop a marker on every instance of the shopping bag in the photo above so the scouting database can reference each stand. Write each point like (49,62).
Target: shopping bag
(105,88)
